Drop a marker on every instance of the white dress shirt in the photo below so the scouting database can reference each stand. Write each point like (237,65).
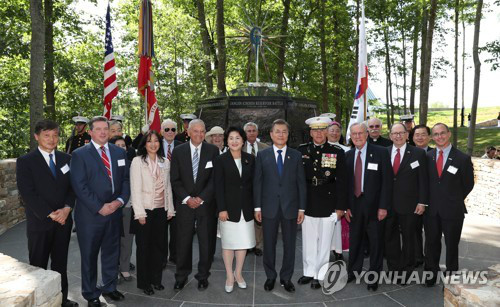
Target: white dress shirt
(446,153)
(255,146)
(46,155)
(363,159)
(283,154)
(401,153)
(165,147)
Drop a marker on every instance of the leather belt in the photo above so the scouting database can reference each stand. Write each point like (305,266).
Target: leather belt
(317,182)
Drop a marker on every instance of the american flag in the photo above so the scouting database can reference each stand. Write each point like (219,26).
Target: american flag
(110,84)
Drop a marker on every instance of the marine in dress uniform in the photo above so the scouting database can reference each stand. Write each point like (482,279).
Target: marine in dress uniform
(79,137)
(325,169)
(183,136)
(407,120)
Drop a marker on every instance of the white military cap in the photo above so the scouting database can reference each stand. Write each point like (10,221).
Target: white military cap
(406,117)
(80,119)
(318,122)
(119,118)
(329,115)
(188,116)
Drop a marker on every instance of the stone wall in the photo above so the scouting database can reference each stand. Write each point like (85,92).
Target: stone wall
(11,211)
(24,285)
(485,197)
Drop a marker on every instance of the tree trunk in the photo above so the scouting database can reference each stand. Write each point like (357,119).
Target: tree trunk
(403,38)
(282,47)
(462,112)
(423,49)
(477,76)
(221,49)
(416,31)
(425,80)
(205,41)
(322,44)
(50,99)
(455,92)
(36,66)
(390,103)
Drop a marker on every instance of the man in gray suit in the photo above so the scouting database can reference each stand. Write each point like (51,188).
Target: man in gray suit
(252,146)
(280,199)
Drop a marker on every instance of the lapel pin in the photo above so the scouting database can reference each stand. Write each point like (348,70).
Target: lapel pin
(288,157)
(371,155)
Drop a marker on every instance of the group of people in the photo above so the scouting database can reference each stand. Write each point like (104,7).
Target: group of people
(165,187)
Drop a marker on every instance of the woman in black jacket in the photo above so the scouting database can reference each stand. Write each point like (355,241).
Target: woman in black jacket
(233,173)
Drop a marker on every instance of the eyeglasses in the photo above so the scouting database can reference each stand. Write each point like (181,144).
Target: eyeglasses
(374,126)
(443,133)
(356,134)
(170,129)
(398,133)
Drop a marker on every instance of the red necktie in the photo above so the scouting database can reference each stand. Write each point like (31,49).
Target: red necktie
(397,162)
(169,153)
(358,173)
(105,160)
(439,164)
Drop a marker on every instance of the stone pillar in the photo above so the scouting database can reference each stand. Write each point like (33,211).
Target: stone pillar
(11,211)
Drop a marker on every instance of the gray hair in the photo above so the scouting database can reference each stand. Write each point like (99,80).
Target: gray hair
(167,122)
(195,122)
(375,119)
(362,125)
(97,119)
(116,122)
(250,124)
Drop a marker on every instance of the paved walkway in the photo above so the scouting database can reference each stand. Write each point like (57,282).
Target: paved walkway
(479,249)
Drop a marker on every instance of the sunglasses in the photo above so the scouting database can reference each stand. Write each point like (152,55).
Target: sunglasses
(374,126)
(170,129)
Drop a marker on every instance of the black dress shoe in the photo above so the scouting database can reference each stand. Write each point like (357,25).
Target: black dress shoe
(179,285)
(202,284)
(418,263)
(149,291)
(351,277)
(251,250)
(132,266)
(173,260)
(115,295)
(94,303)
(315,284)
(164,265)
(373,287)
(288,285)
(159,287)
(304,280)
(69,303)
(258,252)
(269,285)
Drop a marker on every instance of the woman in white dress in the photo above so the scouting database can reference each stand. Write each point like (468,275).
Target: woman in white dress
(334,136)
(233,173)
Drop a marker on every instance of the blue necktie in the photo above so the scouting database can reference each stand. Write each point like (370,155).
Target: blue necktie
(52,166)
(280,162)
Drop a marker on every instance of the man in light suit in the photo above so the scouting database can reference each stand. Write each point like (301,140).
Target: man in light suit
(451,179)
(280,200)
(45,187)
(100,179)
(192,183)
(369,197)
(252,146)
(410,196)
(169,131)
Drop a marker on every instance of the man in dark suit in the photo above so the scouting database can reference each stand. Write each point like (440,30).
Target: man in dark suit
(421,138)
(409,199)
(169,131)
(451,179)
(252,146)
(100,178)
(280,199)
(45,187)
(369,198)
(375,126)
(192,182)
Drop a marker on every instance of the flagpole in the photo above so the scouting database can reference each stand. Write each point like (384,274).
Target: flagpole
(146,104)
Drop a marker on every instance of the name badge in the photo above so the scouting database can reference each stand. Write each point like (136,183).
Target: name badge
(209,164)
(452,169)
(65,169)
(161,164)
(373,166)
(121,162)
(414,165)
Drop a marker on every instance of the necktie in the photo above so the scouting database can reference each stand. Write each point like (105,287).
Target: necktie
(52,165)
(196,161)
(169,153)
(397,162)
(358,173)
(280,162)
(439,164)
(105,160)
(253,149)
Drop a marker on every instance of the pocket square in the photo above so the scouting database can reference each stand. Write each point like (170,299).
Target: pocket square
(209,164)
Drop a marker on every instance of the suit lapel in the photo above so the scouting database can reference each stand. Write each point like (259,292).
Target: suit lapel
(434,166)
(406,158)
(97,157)
(368,159)
(114,164)
(286,163)
(189,162)
(451,157)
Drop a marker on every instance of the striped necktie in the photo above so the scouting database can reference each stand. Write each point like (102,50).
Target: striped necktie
(169,153)
(106,162)
(196,162)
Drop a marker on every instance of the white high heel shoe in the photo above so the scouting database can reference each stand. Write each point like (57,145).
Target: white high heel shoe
(228,289)
(241,285)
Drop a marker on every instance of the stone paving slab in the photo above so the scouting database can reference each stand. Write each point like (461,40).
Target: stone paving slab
(479,249)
